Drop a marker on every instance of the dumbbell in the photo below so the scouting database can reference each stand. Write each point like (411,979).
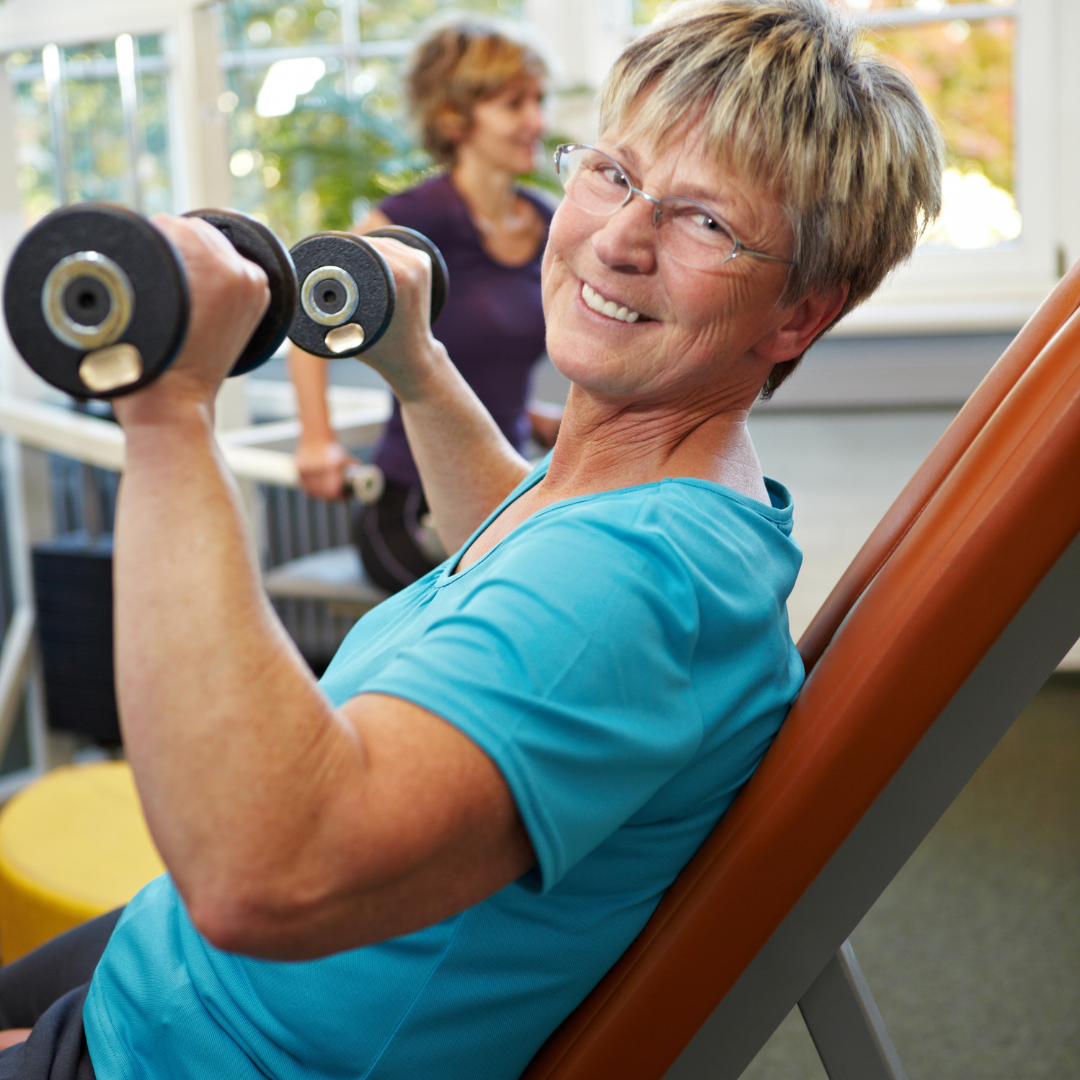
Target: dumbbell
(347,293)
(97,303)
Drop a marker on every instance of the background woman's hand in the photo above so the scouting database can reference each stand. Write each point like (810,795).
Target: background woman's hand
(229,296)
(322,464)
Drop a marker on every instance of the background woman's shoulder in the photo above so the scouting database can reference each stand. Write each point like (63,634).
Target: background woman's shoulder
(429,207)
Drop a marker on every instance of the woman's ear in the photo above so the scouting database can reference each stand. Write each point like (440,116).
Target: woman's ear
(802,322)
(454,125)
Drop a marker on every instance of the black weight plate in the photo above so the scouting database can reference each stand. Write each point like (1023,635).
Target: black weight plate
(160,312)
(261,246)
(440,276)
(374,283)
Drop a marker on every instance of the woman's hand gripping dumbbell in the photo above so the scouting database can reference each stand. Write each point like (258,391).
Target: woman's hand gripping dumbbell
(97,297)
(97,302)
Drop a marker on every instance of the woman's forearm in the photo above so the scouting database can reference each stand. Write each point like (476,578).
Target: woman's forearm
(308,375)
(466,464)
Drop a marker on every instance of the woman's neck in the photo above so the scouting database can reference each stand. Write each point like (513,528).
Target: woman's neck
(488,192)
(601,446)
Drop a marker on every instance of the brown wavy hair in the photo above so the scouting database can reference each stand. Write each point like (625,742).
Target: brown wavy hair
(456,65)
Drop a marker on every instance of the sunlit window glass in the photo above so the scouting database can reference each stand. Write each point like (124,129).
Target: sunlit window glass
(965,70)
(388,20)
(91,122)
(645,11)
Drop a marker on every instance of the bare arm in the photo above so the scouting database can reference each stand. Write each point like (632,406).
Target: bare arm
(320,457)
(292,829)
(466,464)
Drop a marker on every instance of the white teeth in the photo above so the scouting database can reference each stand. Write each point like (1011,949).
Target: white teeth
(607,307)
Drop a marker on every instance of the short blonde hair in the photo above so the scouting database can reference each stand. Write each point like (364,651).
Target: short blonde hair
(457,64)
(787,97)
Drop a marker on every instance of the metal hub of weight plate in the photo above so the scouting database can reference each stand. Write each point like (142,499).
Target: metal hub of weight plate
(96,300)
(261,246)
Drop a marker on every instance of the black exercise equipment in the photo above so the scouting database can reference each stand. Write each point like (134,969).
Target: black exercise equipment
(97,302)
(347,291)
(73,590)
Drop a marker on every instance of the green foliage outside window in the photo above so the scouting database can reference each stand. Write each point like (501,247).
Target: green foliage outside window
(964,72)
(346,143)
(324,163)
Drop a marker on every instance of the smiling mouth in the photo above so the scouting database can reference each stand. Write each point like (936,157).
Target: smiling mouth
(609,308)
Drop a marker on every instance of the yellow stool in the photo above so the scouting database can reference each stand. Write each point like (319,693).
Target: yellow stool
(73,845)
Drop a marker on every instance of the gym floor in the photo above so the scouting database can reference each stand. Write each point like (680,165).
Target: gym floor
(973,952)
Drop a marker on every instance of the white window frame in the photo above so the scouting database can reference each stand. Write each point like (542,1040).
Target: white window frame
(197,131)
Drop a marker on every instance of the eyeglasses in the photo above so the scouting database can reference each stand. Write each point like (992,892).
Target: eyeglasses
(688,231)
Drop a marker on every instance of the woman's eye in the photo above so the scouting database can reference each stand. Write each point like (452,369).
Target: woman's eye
(612,176)
(704,222)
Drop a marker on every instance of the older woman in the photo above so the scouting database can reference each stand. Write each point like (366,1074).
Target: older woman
(420,867)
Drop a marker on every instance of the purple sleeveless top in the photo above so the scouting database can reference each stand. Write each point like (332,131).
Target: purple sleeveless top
(492,324)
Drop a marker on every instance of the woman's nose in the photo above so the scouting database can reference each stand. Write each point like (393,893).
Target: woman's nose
(627,239)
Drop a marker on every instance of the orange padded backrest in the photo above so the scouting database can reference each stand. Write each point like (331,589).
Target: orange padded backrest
(893,527)
(987,530)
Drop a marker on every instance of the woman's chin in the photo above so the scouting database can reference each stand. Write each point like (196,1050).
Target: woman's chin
(590,368)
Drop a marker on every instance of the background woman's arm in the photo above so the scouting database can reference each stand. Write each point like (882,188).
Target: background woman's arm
(320,457)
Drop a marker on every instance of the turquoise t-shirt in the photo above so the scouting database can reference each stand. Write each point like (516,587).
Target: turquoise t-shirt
(625,660)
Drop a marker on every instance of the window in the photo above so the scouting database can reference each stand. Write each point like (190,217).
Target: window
(988,72)
(92,123)
(964,68)
(984,70)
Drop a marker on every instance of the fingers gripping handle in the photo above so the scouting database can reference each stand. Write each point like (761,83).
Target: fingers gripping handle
(97,300)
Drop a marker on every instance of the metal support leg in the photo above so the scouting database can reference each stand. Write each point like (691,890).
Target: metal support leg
(845,1024)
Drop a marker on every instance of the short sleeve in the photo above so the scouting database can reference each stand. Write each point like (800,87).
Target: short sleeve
(569,664)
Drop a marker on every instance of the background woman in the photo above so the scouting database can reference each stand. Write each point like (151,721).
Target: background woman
(454,835)
(477,96)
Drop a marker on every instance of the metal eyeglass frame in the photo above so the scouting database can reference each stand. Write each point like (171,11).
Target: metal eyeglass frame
(631,191)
